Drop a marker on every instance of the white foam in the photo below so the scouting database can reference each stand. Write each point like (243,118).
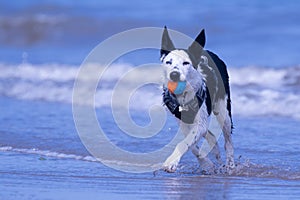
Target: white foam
(265,91)
(48,153)
(47,72)
(54,154)
(267,77)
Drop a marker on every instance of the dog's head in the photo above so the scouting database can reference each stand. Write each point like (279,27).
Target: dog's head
(180,65)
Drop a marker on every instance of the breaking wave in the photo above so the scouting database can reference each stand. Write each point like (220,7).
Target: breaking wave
(47,153)
(243,169)
(255,90)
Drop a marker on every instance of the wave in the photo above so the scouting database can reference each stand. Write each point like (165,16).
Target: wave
(27,29)
(243,169)
(255,90)
(266,91)
(53,154)
(47,153)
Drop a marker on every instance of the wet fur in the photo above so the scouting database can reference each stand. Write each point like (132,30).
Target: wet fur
(204,66)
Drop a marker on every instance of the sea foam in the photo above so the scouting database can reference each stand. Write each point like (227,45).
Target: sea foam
(254,90)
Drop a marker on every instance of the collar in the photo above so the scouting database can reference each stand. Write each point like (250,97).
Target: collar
(196,102)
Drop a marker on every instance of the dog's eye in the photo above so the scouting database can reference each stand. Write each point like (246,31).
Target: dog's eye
(169,63)
(186,63)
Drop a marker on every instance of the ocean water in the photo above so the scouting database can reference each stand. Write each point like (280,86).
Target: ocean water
(42,47)
(263,33)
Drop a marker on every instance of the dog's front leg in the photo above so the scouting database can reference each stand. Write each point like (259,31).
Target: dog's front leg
(170,165)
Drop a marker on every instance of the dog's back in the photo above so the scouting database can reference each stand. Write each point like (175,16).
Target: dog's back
(217,81)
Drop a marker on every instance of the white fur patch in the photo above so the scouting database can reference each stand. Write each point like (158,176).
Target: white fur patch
(176,61)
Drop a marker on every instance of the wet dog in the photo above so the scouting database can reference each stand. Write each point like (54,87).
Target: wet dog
(196,87)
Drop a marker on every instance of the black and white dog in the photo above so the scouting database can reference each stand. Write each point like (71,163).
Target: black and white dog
(196,86)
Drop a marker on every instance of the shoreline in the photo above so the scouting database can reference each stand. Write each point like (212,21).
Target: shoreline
(40,180)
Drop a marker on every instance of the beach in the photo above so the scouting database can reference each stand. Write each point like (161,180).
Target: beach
(63,169)
(48,70)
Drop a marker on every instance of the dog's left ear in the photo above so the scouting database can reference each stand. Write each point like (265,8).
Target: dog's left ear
(197,46)
(200,40)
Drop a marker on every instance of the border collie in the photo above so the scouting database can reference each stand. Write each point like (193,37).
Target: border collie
(196,87)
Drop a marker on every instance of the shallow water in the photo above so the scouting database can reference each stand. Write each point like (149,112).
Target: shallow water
(72,179)
(43,158)
(42,45)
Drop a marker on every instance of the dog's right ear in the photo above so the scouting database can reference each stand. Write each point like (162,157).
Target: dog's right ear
(166,44)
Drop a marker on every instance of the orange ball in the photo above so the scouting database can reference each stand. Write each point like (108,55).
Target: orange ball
(177,87)
(172,86)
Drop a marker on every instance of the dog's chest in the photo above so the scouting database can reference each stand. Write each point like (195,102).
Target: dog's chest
(186,96)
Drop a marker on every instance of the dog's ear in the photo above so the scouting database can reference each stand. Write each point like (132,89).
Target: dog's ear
(197,46)
(166,43)
(201,38)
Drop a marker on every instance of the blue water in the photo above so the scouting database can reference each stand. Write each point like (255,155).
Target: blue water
(42,45)
(243,32)
(43,157)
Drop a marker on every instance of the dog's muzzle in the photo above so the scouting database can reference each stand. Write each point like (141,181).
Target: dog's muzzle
(175,76)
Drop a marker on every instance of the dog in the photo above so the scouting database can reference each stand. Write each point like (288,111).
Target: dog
(196,87)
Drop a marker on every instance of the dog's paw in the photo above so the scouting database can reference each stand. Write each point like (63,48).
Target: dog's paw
(230,166)
(170,167)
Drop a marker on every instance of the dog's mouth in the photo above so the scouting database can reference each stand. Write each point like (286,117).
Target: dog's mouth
(176,87)
(175,76)
(176,83)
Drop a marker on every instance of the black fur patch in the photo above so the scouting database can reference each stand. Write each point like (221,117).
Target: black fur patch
(222,83)
(217,79)
(166,44)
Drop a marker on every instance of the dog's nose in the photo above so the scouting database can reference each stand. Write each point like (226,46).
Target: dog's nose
(174,76)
